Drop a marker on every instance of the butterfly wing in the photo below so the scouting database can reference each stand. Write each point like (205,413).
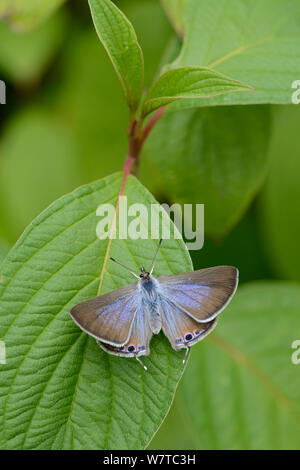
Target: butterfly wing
(138,343)
(109,317)
(201,294)
(181,329)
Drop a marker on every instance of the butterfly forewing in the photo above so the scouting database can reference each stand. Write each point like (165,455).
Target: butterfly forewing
(109,317)
(201,294)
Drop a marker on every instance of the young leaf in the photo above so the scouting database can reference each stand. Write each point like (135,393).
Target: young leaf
(25,16)
(257,42)
(59,390)
(215,156)
(188,83)
(119,39)
(241,388)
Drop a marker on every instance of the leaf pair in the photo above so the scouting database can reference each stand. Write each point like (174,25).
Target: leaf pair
(185,83)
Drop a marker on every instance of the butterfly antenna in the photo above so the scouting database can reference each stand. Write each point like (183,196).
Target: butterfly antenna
(152,265)
(128,269)
(143,365)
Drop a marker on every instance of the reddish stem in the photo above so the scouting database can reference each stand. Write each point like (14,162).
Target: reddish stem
(126,172)
(148,128)
(137,139)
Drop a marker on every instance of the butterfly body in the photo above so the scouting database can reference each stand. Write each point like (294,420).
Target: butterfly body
(151,302)
(185,306)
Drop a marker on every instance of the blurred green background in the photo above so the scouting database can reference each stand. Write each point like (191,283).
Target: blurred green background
(64,125)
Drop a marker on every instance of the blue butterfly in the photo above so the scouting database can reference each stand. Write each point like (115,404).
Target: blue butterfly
(184,306)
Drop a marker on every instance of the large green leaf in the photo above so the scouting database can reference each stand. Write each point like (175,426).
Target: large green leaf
(119,39)
(26,15)
(4,248)
(59,390)
(241,389)
(188,83)
(241,247)
(279,203)
(257,42)
(212,156)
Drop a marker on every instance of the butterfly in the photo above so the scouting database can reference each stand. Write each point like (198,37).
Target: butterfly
(184,306)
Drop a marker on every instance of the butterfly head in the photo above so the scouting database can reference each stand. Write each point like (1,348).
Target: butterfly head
(144,275)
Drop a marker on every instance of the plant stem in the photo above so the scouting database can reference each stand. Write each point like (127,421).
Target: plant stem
(148,128)
(137,137)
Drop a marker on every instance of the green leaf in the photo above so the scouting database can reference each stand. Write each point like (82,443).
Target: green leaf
(174,10)
(188,83)
(213,156)
(279,203)
(241,389)
(59,390)
(241,247)
(4,249)
(25,16)
(119,39)
(24,57)
(257,42)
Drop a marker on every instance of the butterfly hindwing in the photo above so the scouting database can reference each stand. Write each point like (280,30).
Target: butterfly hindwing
(180,328)
(109,317)
(201,294)
(138,343)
